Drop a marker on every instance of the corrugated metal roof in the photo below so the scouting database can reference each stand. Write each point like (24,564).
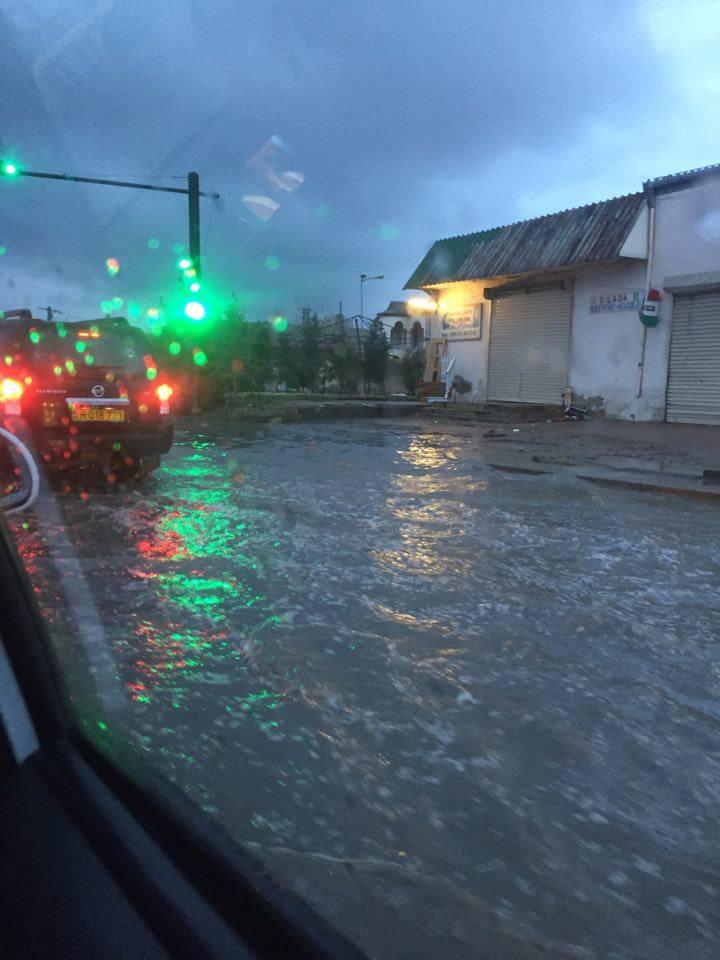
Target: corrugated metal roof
(586,234)
(685,177)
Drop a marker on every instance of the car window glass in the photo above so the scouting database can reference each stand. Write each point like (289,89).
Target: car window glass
(360,437)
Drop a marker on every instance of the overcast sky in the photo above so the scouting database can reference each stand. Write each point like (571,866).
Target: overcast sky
(409,121)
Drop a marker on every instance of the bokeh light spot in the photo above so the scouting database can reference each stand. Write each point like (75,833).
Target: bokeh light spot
(322,211)
(389,231)
(199,358)
(34,336)
(117,302)
(133,309)
(106,306)
(174,348)
(272,262)
(280,324)
(153,243)
(112,265)
(194,310)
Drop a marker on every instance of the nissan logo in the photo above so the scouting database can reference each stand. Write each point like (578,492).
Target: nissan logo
(98,390)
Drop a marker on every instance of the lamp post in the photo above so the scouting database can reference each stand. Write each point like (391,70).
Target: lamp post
(363,280)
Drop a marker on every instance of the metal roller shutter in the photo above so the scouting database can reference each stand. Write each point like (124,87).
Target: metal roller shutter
(694,375)
(529,335)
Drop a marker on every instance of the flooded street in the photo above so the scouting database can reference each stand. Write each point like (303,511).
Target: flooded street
(460,711)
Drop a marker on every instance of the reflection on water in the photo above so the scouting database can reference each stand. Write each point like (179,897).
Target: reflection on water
(451,707)
(434,511)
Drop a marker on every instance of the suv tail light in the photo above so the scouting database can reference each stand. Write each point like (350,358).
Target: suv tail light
(164,392)
(10,393)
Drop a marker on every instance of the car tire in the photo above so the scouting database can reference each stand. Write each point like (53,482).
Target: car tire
(147,464)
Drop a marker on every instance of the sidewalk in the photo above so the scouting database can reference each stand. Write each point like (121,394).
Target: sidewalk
(668,457)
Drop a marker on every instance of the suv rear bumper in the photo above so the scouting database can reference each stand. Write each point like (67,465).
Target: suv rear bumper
(136,443)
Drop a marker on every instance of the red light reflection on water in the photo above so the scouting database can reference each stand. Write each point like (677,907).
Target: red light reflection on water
(171,655)
(167,545)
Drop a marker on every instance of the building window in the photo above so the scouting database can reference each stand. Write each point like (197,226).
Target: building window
(398,335)
(417,336)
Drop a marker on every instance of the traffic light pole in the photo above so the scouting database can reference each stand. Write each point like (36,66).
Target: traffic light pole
(193,193)
(194,220)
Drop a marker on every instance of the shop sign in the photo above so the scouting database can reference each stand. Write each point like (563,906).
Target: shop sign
(612,302)
(461,323)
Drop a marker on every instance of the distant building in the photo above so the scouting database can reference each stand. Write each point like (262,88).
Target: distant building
(405,330)
(567,303)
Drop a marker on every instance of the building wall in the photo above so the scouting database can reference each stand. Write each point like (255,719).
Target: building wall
(687,241)
(606,348)
(606,351)
(470,355)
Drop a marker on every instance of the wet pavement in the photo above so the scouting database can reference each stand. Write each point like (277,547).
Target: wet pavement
(460,711)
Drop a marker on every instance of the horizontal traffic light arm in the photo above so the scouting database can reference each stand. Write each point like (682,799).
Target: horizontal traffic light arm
(109,183)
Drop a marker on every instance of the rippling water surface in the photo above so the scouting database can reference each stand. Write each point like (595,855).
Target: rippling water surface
(460,711)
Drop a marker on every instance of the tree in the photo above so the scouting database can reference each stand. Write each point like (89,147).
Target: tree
(309,357)
(375,354)
(412,369)
(345,363)
(261,355)
(221,346)
(286,356)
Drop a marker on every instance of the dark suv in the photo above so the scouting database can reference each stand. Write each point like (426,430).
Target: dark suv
(87,392)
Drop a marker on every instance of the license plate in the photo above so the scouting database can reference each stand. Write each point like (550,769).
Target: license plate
(88,414)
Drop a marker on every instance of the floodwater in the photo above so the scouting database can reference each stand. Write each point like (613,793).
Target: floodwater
(461,712)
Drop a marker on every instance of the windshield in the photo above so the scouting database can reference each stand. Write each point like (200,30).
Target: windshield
(398,557)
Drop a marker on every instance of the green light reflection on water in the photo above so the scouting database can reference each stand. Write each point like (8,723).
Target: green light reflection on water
(210,526)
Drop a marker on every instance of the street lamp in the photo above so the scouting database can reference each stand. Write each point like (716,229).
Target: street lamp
(422,304)
(363,279)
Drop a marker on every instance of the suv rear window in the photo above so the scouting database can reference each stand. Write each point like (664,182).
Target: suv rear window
(122,349)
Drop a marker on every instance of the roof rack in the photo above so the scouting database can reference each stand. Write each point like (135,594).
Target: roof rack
(20,314)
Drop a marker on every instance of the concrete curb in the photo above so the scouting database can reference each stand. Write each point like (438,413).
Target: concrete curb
(646,486)
(666,484)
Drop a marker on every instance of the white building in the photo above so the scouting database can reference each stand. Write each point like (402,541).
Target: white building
(403,328)
(535,308)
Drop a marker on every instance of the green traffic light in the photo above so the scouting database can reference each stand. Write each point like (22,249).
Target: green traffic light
(10,169)
(194,310)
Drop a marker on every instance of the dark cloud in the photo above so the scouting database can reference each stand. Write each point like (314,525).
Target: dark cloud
(403,117)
